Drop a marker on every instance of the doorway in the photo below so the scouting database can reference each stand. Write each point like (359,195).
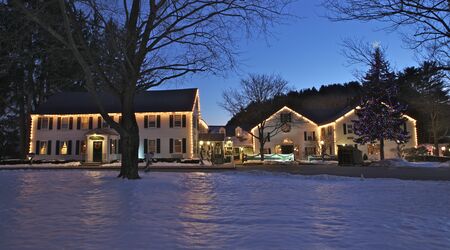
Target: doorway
(287,149)
(97,151)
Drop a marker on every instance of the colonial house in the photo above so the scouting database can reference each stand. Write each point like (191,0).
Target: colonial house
(69,126)
(305,136)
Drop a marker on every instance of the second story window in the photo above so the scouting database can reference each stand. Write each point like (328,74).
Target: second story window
(84,122)
(350,128)
(65,123)
(177,121)
(45,123)
(152,121)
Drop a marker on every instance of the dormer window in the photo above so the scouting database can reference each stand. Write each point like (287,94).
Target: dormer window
(286,117)
(222,130)
(238,132)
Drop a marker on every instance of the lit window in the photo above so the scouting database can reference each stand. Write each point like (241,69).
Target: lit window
(45,122)
(43,148)
(65,123)
(84,122)
(178,145)
(63,148)
(373,149)
(152,121)
(177,121)
(152,146)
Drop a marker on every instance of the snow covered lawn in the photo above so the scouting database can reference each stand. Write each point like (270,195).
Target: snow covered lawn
(228,210)
(404,163)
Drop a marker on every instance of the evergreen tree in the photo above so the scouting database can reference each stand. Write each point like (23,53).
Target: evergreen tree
(380,113)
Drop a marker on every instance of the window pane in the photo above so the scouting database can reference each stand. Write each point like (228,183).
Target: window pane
(84,122)
(152,121)
(177,146)
(151,146)
(63,148)
(64,122)
(45,121)
(177,120)
(43,148)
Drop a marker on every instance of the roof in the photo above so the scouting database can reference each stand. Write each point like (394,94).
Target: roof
(211,137)
(148,101)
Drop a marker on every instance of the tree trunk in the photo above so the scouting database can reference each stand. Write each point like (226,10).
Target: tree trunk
(434,130)
(261,150)
(381,148)
(129,139)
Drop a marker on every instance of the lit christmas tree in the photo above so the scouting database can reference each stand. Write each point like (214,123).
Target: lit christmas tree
(380,116)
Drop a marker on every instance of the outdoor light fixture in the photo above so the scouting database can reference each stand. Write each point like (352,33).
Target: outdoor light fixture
(201,143)
(443,148)
(322,142)
(208,143)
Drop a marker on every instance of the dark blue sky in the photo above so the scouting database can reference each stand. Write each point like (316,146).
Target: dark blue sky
(306,52)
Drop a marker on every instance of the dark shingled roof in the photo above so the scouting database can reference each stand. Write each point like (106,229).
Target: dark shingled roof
(211,137)
(148,101)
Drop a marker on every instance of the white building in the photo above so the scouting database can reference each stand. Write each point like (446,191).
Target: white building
(305,137)
(69,126)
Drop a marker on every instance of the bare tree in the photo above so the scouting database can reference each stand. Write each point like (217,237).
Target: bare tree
(139,45)
(427,19)
(259,90)
(256,88)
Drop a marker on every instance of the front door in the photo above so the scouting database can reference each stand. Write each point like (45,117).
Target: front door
(97,151)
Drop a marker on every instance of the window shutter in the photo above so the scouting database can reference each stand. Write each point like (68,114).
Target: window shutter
(78,122)
(171,121)
(171,145)
(77,147)
(58,123)
(345,128)
(405,128)
(158,146)
(145,121)
(314,135)
(50,123)
(99,122)
(183,121)
(268,137)
(91,121)
(71,123)
(145,146)
(49,147)
(304,133)
(158,121)
(57,148)
(39,123)
(119,146)
(37,149)
(120,119)
(184,145)
(69,147)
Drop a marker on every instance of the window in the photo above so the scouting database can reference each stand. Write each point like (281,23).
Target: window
(178,148)
(309,136)
(84,122)
(222,130)
(113,145)
(64,122)
(285,117)
(63,147)
(105,123)
(45,123)
(43,146)
(238,132)
(310,151)
(330,130)
(373,149)
(177,121)
(152,121)
(349,128)
(152,146)
(83,147)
